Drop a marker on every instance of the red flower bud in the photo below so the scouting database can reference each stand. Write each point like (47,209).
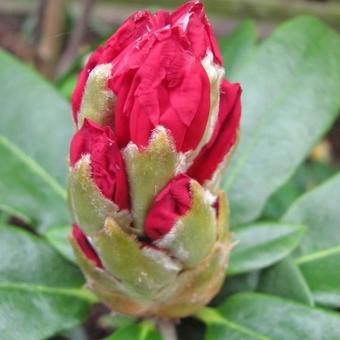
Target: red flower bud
(170,204)
(223,137)
(85,245)
(157,77)
(156,121)
(107,165)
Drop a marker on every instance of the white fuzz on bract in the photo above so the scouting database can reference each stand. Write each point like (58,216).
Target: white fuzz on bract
(208,197)
(215,74)
(168,239)
(182,158)
(213,184)
(162,259)
(85,158)
(98,100)
(182,163)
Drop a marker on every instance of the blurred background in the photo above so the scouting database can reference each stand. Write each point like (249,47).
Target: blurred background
(51,34)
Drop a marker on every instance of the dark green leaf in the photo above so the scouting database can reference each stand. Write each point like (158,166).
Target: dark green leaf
(290,99)
(35,131)
(262,244)
(285,279)
(308,176)
(258,316)
(68,85)
(236,284)
(40,292)
(318,256)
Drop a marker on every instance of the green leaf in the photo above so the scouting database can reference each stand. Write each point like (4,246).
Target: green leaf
(322,273)
(285,279)
(40,292)
(35,131)
(262,244)
(318,255)
(246,282)
(67,86)
(141,331)
(111,321)
(27,191)
(290,99)
(237,47)
(258,316)
(57,237)
(308,176)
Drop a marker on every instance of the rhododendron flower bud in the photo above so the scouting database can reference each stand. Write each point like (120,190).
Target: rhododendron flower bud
(156,121)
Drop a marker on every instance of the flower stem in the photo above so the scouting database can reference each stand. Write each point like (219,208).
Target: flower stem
(167,329)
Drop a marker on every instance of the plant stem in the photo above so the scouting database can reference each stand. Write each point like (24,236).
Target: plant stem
(167,329)
(76,37)
(51,38)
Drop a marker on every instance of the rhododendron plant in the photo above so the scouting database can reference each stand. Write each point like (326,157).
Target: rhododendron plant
(171,189)
(156,122)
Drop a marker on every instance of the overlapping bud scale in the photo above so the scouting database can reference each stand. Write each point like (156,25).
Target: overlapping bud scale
(156,122)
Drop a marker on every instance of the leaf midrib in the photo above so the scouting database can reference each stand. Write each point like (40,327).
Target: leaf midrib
(213,317)
(33,166)
(80,293)
(318,255)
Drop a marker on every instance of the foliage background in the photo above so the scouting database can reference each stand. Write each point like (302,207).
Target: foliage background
(283,181)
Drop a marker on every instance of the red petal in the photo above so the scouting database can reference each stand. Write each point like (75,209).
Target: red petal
(107,165)
(169,205)
(134,27)
(195,25)
(85,245)
(224,135)
(162,84)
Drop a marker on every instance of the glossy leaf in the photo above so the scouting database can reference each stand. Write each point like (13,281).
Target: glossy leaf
(57,237)
(322,273)
(237,47)
(34,116)
(246,282)
(27,191)
(262,244)
(290,99)
(35,131)
(40,292)
(259,316)
(284,279)
(308,176)
(318,256)
(141,331)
